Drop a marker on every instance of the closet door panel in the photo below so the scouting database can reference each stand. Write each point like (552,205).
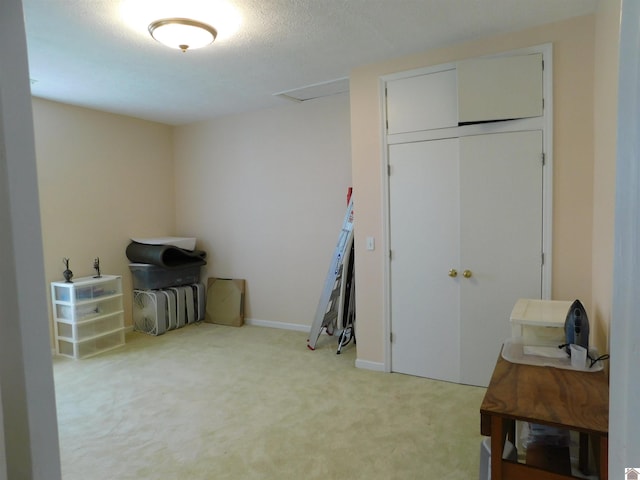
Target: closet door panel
(499,88)
(501,241)
(424,226)
(423,102)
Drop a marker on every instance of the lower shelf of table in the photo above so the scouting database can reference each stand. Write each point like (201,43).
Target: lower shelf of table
(585,457)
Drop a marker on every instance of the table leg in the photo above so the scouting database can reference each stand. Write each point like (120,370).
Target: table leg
(604,458)
(511,435)
(498,434)
(583,454)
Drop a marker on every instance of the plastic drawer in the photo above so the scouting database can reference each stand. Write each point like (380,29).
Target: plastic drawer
(93,346)
(87,330)
(87,310)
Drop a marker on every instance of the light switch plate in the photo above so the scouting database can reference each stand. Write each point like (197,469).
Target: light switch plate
(371,244)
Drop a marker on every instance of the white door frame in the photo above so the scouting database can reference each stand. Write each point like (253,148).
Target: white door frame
(28,423)
(624,423)
(544,123)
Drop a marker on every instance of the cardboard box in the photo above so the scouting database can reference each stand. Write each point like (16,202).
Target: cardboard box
(225,301)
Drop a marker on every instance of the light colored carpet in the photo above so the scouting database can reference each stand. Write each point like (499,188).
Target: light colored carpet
(216,402)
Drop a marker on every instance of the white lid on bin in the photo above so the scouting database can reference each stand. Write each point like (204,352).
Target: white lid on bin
(540,313)
(186,243)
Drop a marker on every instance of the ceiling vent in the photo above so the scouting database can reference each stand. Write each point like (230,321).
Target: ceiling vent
(317,90)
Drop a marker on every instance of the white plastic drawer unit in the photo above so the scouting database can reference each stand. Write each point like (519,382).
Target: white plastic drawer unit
(88,315)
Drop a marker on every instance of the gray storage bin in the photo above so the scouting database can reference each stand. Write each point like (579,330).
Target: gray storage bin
(150,277)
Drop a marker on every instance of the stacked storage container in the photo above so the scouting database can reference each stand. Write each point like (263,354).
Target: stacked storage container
(167,292)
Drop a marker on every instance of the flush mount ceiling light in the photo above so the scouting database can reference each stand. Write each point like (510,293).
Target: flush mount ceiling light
(182,33)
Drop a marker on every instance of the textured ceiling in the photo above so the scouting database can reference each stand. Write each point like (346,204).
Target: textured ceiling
(82,52)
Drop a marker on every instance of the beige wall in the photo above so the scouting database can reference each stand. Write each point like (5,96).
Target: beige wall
(265,194)
(605,121)
(573,68)
(102,179)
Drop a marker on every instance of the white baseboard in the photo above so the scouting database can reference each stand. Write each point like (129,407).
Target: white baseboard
(364,364)
(271,324)
(367,365)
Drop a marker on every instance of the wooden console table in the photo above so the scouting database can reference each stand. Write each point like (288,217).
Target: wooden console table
(570,399)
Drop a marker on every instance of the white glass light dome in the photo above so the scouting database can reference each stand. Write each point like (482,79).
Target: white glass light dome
(182,33)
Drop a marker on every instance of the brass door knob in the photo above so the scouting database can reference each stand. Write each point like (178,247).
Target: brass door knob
(453,273)
(467,274)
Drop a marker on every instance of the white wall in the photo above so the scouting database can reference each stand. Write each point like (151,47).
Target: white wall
(29,427)
(265,194)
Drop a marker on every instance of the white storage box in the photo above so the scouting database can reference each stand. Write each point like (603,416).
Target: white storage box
(539,322)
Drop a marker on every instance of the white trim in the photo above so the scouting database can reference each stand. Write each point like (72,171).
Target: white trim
(544,123)
(386,243)
(282,325)
(367,365)
(417,72)
(29,436)
(519,125)
(547,185)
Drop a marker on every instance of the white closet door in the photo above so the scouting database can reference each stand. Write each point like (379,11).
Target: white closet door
(470,204)
(501,236)
(500,88)
(424,226)
(422,102)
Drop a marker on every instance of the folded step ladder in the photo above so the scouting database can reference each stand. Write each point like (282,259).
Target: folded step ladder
(331,303)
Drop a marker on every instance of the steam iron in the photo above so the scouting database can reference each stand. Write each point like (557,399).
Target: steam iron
(576,327)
